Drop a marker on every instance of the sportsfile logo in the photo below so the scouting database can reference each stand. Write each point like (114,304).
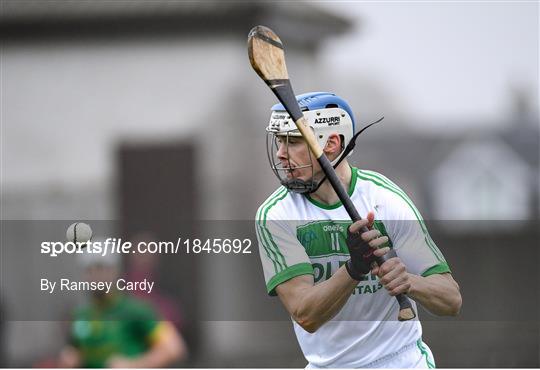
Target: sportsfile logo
(331,121)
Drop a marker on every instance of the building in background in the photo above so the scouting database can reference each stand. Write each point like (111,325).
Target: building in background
(103,99)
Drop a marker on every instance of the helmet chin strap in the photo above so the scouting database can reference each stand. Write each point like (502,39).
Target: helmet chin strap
(349,148)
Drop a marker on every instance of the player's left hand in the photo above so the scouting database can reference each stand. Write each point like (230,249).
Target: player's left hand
(392,274)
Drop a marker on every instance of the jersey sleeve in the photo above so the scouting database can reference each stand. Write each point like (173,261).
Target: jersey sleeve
(282,255)
(409,235)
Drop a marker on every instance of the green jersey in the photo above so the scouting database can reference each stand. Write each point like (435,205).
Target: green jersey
(122,327)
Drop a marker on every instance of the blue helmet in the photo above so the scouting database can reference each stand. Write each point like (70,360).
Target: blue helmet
(320,100)
(326,114)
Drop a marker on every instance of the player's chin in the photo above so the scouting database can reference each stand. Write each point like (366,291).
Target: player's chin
(297,175)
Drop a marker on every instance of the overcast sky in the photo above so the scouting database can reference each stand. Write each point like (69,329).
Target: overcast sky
(443,61)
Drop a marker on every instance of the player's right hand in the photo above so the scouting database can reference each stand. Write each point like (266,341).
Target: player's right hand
(363,247)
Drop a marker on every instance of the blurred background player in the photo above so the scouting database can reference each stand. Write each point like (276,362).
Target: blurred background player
(146,266)
(343,317)
(117,330)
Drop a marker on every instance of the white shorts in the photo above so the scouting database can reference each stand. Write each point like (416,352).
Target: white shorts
(414,356)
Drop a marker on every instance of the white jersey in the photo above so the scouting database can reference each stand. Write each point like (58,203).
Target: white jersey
(299,236)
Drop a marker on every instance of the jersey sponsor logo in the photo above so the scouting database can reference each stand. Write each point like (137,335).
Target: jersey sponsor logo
(368,288)
(308,238)
(331,121)
(324,270)
(335,227)
(324,237)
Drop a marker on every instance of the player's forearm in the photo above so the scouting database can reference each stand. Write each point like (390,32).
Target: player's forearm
(321,302)
(438,293)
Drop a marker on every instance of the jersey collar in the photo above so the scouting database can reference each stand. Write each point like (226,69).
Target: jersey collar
(354,175)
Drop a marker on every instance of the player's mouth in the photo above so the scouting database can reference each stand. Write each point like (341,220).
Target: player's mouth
(289,171)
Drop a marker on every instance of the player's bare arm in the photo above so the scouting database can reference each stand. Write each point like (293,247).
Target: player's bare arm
(438,293)
(313,305)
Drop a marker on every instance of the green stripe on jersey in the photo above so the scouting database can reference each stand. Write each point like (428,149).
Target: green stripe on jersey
(259,232)
(383,182)
(441,268)
(422,349)
(268,244)
(264,235)
(408,200)
(303,268)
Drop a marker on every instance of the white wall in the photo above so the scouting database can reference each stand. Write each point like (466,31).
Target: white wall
(66,106)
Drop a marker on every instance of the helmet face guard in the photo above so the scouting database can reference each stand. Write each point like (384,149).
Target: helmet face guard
(326,114)
(284,171)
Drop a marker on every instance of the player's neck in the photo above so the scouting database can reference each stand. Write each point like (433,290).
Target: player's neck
(326,194)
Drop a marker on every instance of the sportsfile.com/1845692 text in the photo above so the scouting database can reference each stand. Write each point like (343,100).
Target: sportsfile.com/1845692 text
(181,245)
